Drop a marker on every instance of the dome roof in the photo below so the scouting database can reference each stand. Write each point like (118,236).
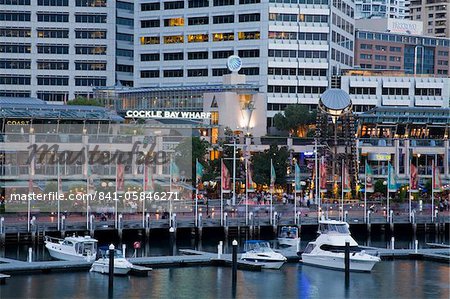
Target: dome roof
(335,99)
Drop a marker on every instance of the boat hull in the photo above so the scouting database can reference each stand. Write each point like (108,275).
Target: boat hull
(337,262)
(103,267)
(60,255)
(275,265)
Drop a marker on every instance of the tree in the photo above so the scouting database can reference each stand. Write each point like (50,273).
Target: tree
(380,187)
(82,101)
(296,119)
(261,165)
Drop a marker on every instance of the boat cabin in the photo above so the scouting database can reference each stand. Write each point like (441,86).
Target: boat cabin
(257,246)
(288,232)
(333,227)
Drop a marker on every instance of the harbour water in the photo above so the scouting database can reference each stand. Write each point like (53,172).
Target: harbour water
(389,279)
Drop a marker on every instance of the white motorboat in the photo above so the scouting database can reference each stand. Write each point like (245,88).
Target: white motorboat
(260,253)
(288,236)
(121,265)
(328,250)
(72,248)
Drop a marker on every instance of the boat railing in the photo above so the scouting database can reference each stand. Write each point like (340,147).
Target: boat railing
(53,239)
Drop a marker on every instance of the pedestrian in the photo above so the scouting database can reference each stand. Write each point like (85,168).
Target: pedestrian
(308,203)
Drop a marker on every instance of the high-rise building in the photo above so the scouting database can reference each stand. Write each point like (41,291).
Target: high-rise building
(434,15)
(290,48)
(368,9)
(56,50)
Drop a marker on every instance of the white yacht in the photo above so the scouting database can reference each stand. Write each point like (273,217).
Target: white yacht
(288,236)
(121,265)
(260,253)
(72,248)
(328,250)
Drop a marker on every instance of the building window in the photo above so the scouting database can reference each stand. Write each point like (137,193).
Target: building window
(283,53)
(197,73)
(223,19)
(15,80)
(53,17)
(174,5)
(150,57)
(363,90)
(198,55)
(380,48)
(219,37)
(365,46)
(198,3)
(249,1)
(252,17)
(15,16)
(249,35)
(381,57)
(63,33)
(15,2)
(15,93)
(56,80)
(312,54)
(173,39)
(313,36)
(15,32)
(124,37)
(283,35)
(174,22)
(96,18)
(124,52)
(222,54)
(392,91)
(53,49)
(125,22)
(18,64)
(198,21)
(124,68)
(15,48)
(150,23)
(150,6)
(100,66)
(90,34)
(197,38)
(174,56)
(90,3)
(53,65)
(150,74)
(395,49)
(249,71)
(149,40)
(223,2)
(365,56)
(395,58)
(173,73)
(248,53)
(90,50)
(52,96)
(428,92)
(282,17)
(125,6)
(220,72)
(53,2)
(90,81)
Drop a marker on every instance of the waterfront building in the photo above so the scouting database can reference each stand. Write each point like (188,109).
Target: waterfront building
(433,14)
(58,50)
(400,46)
(289,48)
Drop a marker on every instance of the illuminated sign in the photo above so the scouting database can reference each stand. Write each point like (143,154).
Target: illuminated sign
(405,26)
(234,63)
(167,114)
(379,157)
(18,122)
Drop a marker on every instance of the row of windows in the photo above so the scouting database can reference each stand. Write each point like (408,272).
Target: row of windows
(198,38)
(317,2)
(92,18)
(203,72)
(363,90)
(196,21)
(294,71)
(296,89)
(15,48)
(393,91)
(15,16)
(52,49)
(15,93)
(298,36)
(55,33)
(55,80)
(428,92)
(53,17)
(343,24)
(200,55)
(282,17)
(404,39)
(85,3)
(342,40)
(344,7)
(124,68)
(341,57)
(53,2)
(15,2)
(192,4)
(15,64)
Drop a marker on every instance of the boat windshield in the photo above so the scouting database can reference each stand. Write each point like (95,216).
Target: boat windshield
(289,232)
(326,228)
(257,247)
